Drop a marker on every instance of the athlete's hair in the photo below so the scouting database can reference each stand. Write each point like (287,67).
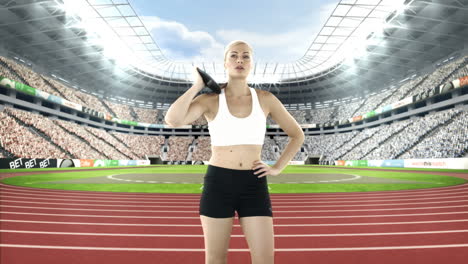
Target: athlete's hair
(236,42)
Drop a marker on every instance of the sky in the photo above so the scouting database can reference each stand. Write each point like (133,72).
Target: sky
(278,30)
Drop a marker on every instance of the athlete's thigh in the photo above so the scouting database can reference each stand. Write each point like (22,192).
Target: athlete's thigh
(259,233)
(217,234)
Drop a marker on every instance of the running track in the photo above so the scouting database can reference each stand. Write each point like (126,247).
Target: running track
(53,226)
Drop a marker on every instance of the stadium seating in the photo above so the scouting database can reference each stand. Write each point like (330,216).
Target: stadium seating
(26,134)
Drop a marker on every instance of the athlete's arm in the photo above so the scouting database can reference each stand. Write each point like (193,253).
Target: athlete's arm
(196,109)
(289,125)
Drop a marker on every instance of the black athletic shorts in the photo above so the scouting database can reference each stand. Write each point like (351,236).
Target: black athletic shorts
(228,190)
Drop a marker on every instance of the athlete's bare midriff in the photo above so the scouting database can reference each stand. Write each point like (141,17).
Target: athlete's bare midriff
(237,157)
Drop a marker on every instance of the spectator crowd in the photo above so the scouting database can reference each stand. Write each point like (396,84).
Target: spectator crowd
(440,134)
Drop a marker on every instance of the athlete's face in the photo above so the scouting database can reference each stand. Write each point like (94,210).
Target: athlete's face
(238,56)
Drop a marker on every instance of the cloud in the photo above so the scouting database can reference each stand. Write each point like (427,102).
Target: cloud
(284,46)
(281,47)
(180,44)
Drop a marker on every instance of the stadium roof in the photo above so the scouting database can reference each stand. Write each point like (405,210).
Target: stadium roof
(103,47)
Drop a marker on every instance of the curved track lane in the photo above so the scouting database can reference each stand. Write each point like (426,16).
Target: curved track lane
(411,226)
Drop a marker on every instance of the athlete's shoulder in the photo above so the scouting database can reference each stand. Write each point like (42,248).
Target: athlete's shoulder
(265,95)
(262,93)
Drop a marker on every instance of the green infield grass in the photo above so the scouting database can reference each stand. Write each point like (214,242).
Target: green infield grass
(38,181)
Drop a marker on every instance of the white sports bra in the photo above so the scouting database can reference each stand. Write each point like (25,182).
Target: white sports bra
(227,130)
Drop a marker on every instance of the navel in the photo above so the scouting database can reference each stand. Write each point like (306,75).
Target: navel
(240,164)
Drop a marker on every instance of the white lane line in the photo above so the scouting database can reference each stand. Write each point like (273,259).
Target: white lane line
(447,189)
(276,217)
(355,177)
(422,190)
(273,200)
(349,179)
(373,248)
(113,177)
(191,211)
(195,205)
(235,225)
(91,193)
(236,249)
(276,235)
(108,198)
(291,198)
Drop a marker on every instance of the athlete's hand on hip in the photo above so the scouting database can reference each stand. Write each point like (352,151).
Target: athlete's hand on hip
(265,168)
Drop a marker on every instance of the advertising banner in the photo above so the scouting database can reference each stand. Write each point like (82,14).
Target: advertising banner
(403,102)
(126,122)
(68,163)
(87,162)
(157,126)
(344,122)
(72,105)
(453,163)
(434,91)
(7,83)
(113,162)
(340,162)
(143,162)
(91,111)
(101,163)
(25,89)
(357,118)
(22,163)
(375,163)
(362,163)
(463,81)
(127,162)
(144,124)
(42,95)
(356,163)
(393,163)
(387,108)
(370,114)
(293,162)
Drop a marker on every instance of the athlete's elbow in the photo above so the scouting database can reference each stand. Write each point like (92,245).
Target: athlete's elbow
(171,123)
(298,136)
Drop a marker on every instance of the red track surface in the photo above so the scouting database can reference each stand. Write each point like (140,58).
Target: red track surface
(414,226)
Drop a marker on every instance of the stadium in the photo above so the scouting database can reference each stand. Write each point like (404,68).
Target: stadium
(91,172)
